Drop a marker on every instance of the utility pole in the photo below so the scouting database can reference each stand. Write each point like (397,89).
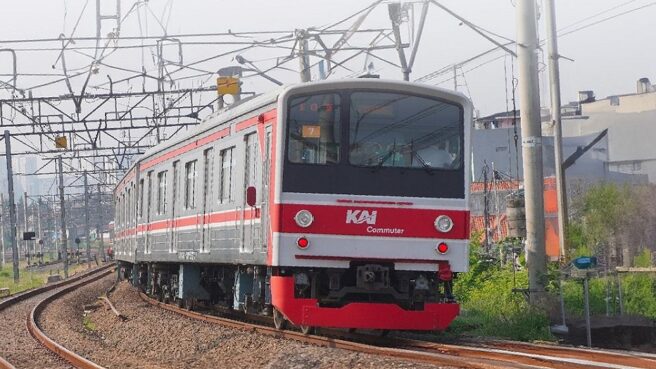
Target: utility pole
(86,219)
(62,213)
(554,79)
(38,228)
(394,10)
(455,77)
(304,59)
(99,224)
(26,229)
(2,227)
(527,46)
(12,206)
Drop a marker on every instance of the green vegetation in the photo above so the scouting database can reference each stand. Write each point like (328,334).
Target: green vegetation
(615,223)
(88,324)
(489,305)
(30,279)
(27,281)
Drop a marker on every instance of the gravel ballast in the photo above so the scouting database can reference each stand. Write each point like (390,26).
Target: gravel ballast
(156,338)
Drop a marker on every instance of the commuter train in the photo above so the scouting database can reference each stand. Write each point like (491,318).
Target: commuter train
(329,204)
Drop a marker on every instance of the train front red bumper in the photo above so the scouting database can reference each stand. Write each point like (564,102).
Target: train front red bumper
(302,311)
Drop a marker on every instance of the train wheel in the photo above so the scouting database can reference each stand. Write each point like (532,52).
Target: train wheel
(189,303)
(279,320)
(306,329)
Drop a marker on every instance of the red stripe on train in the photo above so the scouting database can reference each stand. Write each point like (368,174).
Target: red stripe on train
(373,221)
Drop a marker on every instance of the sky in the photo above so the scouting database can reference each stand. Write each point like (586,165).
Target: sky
(607,58)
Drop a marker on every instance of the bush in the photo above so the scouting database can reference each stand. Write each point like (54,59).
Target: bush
(490,307)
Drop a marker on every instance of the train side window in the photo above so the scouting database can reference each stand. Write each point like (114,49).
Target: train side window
(190,185)
(127,208)
(226,182)
(149,196)
(161,192)
(141,198)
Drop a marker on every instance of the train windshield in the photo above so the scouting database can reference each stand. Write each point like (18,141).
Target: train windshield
(396,130)
(374,143)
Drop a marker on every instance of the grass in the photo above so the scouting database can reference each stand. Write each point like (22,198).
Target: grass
(88,324)
(31,279)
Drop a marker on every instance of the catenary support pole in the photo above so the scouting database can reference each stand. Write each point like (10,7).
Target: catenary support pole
(86,219)
(12,207)
(2,227)
(99,228)
(554,79)
(303,57)
(395,16)
(62,214)
(527,47)
(26,228)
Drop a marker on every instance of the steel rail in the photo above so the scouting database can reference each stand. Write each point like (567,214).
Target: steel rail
(15,299)
(59,350)
(4,364)
(503,353)
(435,358)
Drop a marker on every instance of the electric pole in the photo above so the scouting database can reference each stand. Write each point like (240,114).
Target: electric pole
(2,227)
(527,46)
(26,229)
(86,219)
(394,10)
(99,224)
(303,57)
(12,206)
(62,214)
(554,79)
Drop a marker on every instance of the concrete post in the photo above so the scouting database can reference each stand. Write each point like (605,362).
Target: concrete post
(12,207)
(527,41)
(554,79)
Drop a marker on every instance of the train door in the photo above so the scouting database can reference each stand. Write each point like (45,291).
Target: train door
(208,176)
(149,201)
(250,235)
(264,197)
(173,246)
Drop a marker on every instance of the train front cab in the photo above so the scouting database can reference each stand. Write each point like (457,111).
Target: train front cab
(371,218)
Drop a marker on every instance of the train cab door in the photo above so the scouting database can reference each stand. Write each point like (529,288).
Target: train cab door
(250,214)
(208,190)
(265,195)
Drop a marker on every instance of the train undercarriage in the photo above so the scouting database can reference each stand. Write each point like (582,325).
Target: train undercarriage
(366,295)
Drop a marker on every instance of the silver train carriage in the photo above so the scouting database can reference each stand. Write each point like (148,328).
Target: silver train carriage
(328,204)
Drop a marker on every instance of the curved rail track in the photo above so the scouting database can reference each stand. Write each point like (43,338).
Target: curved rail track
(492,354)
(31,303)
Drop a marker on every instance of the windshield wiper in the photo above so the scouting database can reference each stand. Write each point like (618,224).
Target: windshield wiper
(424,164)
(383,160)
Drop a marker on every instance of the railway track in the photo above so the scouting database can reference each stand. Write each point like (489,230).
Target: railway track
(492,354)
(29,346)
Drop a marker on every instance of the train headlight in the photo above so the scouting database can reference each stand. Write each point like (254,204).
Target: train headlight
(443,223)
(304,218)
(442,248)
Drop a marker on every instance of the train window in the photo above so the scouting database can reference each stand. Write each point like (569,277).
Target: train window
(314,129)
(150,195)
(226,183)
(398,130)
(141,198)
(190,185)
(161,192)
(252,161)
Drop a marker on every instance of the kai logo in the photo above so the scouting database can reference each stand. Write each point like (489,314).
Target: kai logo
(361,217)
